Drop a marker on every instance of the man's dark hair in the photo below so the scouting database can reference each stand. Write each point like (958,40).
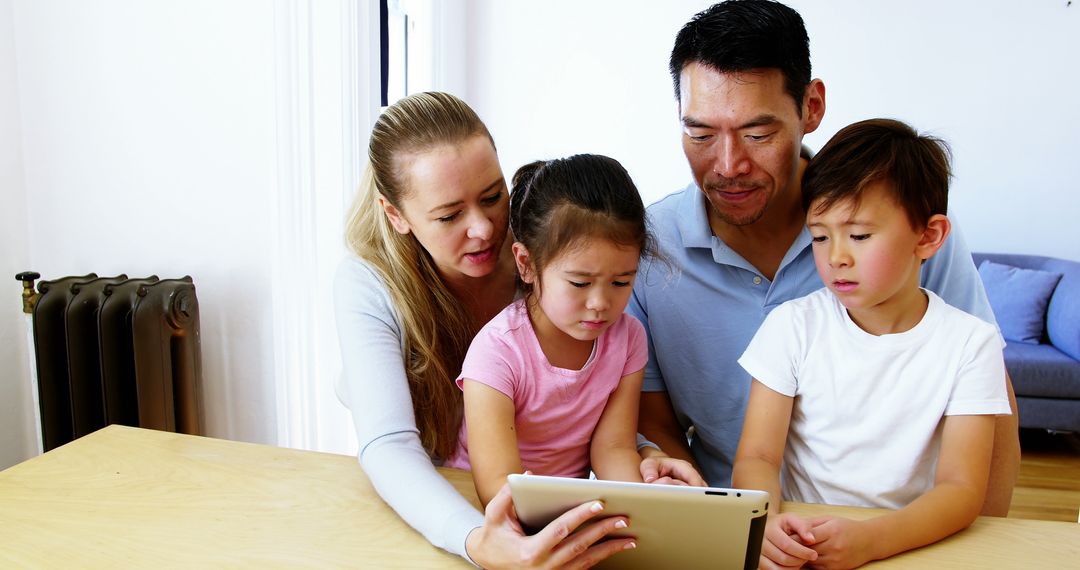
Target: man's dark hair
(875,150)
(742,35)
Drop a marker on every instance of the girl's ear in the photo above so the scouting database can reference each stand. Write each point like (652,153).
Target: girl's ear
(394,215)
(933,236)
(524,263)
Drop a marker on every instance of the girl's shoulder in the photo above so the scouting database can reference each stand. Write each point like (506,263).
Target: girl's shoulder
(625,331)
(512,320)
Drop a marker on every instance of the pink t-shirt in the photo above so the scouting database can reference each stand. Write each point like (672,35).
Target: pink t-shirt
(555,409)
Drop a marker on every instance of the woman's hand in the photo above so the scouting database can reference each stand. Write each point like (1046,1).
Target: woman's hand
(501,542)
(661,469)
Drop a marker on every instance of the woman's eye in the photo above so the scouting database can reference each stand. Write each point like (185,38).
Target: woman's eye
(492,200)
(860,237)
(448,219)
(818,239)
(578,284)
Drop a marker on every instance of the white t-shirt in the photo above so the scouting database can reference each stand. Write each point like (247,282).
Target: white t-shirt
(866,421)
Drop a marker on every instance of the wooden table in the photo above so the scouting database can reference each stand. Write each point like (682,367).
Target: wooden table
(127,497)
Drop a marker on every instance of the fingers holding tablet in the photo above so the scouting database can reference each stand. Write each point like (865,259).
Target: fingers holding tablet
(502,543)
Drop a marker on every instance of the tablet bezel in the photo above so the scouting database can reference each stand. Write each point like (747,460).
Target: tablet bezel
(676,526)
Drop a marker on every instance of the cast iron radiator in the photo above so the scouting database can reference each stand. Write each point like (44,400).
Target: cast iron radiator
(114,350)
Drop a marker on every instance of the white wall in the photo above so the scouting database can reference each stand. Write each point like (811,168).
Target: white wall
(149,148)
(997,79)
(19,440)
(215,139)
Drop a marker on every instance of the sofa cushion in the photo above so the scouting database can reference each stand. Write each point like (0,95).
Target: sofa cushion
(1019,298)
(1042,370)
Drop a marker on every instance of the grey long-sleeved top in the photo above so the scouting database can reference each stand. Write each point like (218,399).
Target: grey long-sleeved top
(374,387)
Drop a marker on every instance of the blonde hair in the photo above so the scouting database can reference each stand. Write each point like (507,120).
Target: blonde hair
(436,327)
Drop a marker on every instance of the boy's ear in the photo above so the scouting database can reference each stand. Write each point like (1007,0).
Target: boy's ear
(401,225)
(524,263)
(933,236)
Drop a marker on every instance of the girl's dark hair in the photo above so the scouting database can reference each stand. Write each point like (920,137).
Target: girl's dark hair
(556,204)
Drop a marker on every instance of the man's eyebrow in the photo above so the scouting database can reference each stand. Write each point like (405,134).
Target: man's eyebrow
(759,121)
(693,123)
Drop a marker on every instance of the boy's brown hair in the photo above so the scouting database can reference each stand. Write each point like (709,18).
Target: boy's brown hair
(917,166)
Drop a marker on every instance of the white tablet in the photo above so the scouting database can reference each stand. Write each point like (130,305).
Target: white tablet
(675,526)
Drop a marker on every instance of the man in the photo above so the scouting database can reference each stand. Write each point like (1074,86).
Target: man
(736,238)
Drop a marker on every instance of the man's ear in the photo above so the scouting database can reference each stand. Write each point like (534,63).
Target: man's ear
(933,236)
(524,263)
(394,215)
(813,107)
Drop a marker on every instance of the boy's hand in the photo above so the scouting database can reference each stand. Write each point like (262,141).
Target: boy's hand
(785,537)
(670,471)
(841,543)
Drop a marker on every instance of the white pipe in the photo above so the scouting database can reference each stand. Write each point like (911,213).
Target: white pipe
(34,382)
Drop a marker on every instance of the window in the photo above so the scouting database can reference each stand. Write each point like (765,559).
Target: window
(407,48)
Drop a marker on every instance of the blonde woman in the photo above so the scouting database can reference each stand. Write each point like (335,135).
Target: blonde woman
(431,265)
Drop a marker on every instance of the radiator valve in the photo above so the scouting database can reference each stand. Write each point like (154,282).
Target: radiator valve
(29,296)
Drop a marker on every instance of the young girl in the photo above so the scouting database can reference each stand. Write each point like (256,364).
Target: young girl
(551,384)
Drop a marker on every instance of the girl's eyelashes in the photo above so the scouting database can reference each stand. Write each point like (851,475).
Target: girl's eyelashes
(818,239)
(580,284)
(448,219)
(860,237)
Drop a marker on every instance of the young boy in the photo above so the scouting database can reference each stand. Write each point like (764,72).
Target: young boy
(871,391)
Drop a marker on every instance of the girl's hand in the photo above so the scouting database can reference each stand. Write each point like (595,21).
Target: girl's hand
(665,470)
(786,544)
(501,542)
(841,543)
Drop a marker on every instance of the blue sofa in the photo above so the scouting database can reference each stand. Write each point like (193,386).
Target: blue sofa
(1045,376)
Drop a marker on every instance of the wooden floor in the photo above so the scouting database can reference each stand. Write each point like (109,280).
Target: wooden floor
(1049,484)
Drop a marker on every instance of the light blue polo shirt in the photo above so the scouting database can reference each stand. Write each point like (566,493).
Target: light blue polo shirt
(701,310)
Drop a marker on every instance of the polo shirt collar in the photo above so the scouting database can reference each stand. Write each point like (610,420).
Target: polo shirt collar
(694,227)
(696,233)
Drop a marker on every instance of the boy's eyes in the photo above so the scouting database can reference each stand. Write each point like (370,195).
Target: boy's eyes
(854,237)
